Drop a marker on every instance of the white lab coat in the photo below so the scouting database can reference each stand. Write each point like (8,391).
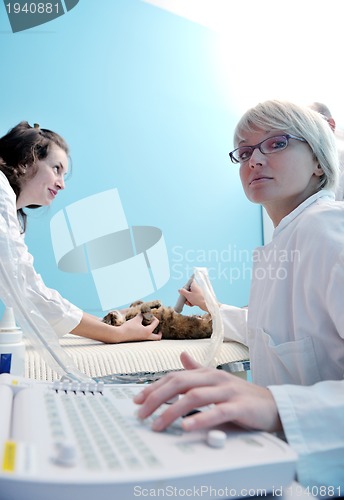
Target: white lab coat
(295,322)
(294,329)
(313,423)
(60,314)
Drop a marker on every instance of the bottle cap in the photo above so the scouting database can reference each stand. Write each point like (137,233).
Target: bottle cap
(9,332)
(7,322)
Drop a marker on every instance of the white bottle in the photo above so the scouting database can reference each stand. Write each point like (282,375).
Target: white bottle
(12,347)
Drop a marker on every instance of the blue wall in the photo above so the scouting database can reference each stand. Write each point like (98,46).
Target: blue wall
(134,91)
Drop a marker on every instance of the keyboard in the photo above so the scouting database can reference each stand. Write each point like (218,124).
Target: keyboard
(68,441)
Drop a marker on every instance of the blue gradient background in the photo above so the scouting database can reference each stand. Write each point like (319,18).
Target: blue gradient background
(135,92)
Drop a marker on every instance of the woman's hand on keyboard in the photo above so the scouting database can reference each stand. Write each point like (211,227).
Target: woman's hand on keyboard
(232,399)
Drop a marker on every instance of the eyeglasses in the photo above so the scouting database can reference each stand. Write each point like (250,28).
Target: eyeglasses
(268,146)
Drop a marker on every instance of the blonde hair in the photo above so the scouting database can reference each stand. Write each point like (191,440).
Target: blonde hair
(302,122)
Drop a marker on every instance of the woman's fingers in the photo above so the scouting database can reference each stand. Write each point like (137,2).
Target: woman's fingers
(227,399)
(188,362)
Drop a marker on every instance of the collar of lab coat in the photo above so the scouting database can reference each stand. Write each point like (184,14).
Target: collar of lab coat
(5,182)
(324,193)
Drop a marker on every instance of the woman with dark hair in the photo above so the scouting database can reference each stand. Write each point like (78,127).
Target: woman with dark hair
(33,166)
(20,150)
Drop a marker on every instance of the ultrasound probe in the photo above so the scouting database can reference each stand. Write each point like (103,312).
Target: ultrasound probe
(181,300)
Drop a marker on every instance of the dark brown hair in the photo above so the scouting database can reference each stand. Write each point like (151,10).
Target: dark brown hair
(20,149)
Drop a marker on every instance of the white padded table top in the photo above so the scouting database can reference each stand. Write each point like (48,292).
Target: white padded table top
(96,359)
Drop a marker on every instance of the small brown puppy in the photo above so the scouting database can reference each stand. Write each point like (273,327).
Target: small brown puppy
(172,325)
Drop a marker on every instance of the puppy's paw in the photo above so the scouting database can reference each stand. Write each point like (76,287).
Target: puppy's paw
(147,316)
(114,318)
(154,304)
